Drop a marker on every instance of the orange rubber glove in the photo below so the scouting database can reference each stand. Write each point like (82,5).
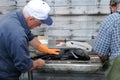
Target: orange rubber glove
(43,48)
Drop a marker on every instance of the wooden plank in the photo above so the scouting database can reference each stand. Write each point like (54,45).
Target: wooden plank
(77,22)
(104,2)
(89,10)
(77,25)
(78,18)
(50,2)
(74,34)
(82,32)
(90,2)
(59,33)
(74,19)
(58,2)
(77,2)
(21,3)
(7,3)
(78,10)
(81,38)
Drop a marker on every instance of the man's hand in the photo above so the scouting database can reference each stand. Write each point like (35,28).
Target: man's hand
(37,64)
(43,48)
(103,58)
(53,51)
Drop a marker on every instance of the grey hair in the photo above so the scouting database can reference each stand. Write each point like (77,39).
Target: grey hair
(25,13)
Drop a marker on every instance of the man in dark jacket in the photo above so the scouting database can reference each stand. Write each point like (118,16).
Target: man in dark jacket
(15,37)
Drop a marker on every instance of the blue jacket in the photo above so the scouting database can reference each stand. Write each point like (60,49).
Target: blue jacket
(14,47)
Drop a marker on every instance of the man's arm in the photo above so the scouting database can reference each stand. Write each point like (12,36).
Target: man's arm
(42,48)
(103,58)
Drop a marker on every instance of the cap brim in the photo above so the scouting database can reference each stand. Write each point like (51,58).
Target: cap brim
(48,21)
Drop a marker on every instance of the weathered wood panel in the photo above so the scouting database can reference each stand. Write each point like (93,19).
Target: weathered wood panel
(77,22)
(81,17)
(7,3)
(20,3)
(77,2)
(73,18)
(90,2)
(78,10)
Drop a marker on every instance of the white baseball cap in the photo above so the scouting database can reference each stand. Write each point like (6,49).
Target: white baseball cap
(39,10)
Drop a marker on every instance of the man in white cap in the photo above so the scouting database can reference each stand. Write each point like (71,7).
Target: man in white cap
(15,37)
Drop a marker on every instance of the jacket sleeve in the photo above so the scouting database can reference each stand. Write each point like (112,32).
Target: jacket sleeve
(19,52)
(30,36)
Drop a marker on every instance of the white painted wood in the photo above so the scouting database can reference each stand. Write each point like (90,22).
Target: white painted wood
(73,19)
(89,10)
(77,22)
(78,18)
(82,32)
(77,2)
(58,2)
(77,10)
(89,2)
(21,2)
(82,38)
(7,3)
(75,26)
(59,33)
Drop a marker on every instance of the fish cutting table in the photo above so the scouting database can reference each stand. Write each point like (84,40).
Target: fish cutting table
(70,66)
